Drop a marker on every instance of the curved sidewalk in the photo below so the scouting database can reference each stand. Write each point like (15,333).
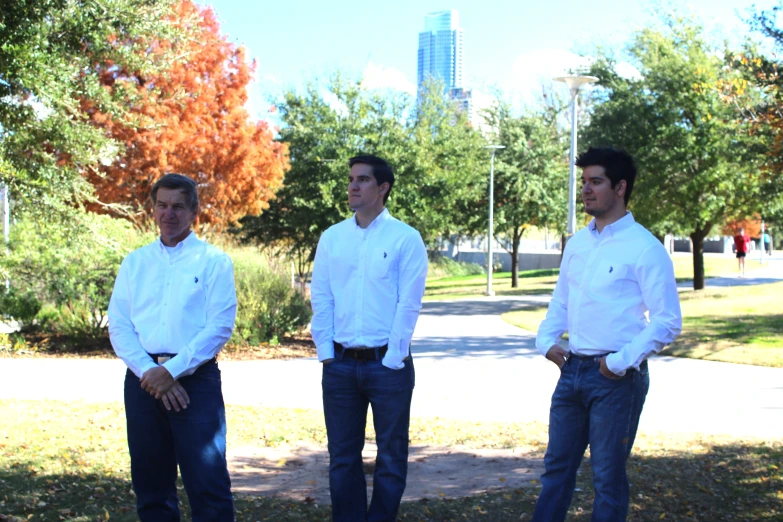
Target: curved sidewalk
(470,364)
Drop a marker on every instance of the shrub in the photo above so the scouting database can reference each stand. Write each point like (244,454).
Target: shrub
(19,306)
(267,307)
(443,266)
(71,266)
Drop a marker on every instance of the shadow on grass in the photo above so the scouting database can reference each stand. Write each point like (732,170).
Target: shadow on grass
(56,497)
(730,482)
(479,306)
(734,481)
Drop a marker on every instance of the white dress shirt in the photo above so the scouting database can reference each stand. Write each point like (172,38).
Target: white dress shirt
(607,282)
(181,301)
(367,287)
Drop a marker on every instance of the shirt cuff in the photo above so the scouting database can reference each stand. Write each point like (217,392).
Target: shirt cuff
(615,364)
(545,344)
(325,351)
(394,357)
(147,366)
(175,366)
(393,362)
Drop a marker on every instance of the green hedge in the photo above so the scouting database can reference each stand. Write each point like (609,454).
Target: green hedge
(268,307)
(62,275)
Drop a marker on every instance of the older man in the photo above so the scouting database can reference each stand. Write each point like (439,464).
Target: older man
(172,310)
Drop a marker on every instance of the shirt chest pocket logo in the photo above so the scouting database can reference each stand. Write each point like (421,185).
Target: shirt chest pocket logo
(608,279)
(192,290)
(381,263)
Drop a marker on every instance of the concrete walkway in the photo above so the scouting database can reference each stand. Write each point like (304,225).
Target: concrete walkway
(470,364)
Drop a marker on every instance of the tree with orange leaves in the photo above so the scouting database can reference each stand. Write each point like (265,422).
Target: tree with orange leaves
(751,225)
(191,119)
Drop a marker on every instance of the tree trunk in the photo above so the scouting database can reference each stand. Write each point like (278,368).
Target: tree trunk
(697,238)
(515,259)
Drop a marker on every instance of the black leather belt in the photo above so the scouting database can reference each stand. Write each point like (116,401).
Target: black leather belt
(362,354)
(588,357)
(161,358)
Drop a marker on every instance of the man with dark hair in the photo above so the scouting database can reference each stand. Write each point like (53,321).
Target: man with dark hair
(172,310)
(367,286)
(613,272)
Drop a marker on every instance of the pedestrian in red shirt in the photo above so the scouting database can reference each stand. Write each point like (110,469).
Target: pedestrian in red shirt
(742,246)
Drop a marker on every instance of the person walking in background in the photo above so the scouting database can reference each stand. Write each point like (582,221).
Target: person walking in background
(366,291)
(742,247)
(613,273)
(171,311)
(767,241)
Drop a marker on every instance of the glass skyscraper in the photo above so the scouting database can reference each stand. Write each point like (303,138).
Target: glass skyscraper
(440,50)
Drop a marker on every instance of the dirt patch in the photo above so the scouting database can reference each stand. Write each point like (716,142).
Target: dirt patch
(301,472)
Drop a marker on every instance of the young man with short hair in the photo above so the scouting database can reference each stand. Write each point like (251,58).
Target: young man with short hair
(613,272)
(367,285)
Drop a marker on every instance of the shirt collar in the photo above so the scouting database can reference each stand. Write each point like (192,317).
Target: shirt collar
(189,240)
(609,230)
(379,219)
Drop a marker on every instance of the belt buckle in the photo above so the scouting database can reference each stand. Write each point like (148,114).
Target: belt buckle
(163,358)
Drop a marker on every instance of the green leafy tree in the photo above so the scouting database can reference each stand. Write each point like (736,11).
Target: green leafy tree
(531,175)
(71,263)
(761,75)
(321,136)
(698,161)
(436,155)
(52,53)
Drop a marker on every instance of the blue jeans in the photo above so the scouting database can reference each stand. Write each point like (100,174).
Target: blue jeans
(588,408)
(194,438)
(349,386)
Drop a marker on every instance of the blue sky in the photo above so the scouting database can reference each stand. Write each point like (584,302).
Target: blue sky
(513,44)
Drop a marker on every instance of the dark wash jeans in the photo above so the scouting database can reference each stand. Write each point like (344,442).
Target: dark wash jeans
(349,386)
(194,438)
(588,408)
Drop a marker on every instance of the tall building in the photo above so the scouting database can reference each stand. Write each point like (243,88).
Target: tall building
(473,103)
(440,50)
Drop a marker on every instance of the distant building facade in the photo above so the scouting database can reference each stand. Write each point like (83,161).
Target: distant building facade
(473,103)
(440,50)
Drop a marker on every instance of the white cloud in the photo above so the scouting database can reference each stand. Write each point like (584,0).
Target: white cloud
(628,71)
(335,103)
(537,68)
(533,72)
(379,77)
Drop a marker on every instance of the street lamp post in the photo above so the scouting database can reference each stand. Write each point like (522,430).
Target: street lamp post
(574,83)
(493,148)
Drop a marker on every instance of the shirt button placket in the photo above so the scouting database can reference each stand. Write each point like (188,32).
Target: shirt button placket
(360,288)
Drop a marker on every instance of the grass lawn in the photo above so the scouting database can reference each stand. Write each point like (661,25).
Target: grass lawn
(533,282)
(714,266)
(732,324)
(68,461)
